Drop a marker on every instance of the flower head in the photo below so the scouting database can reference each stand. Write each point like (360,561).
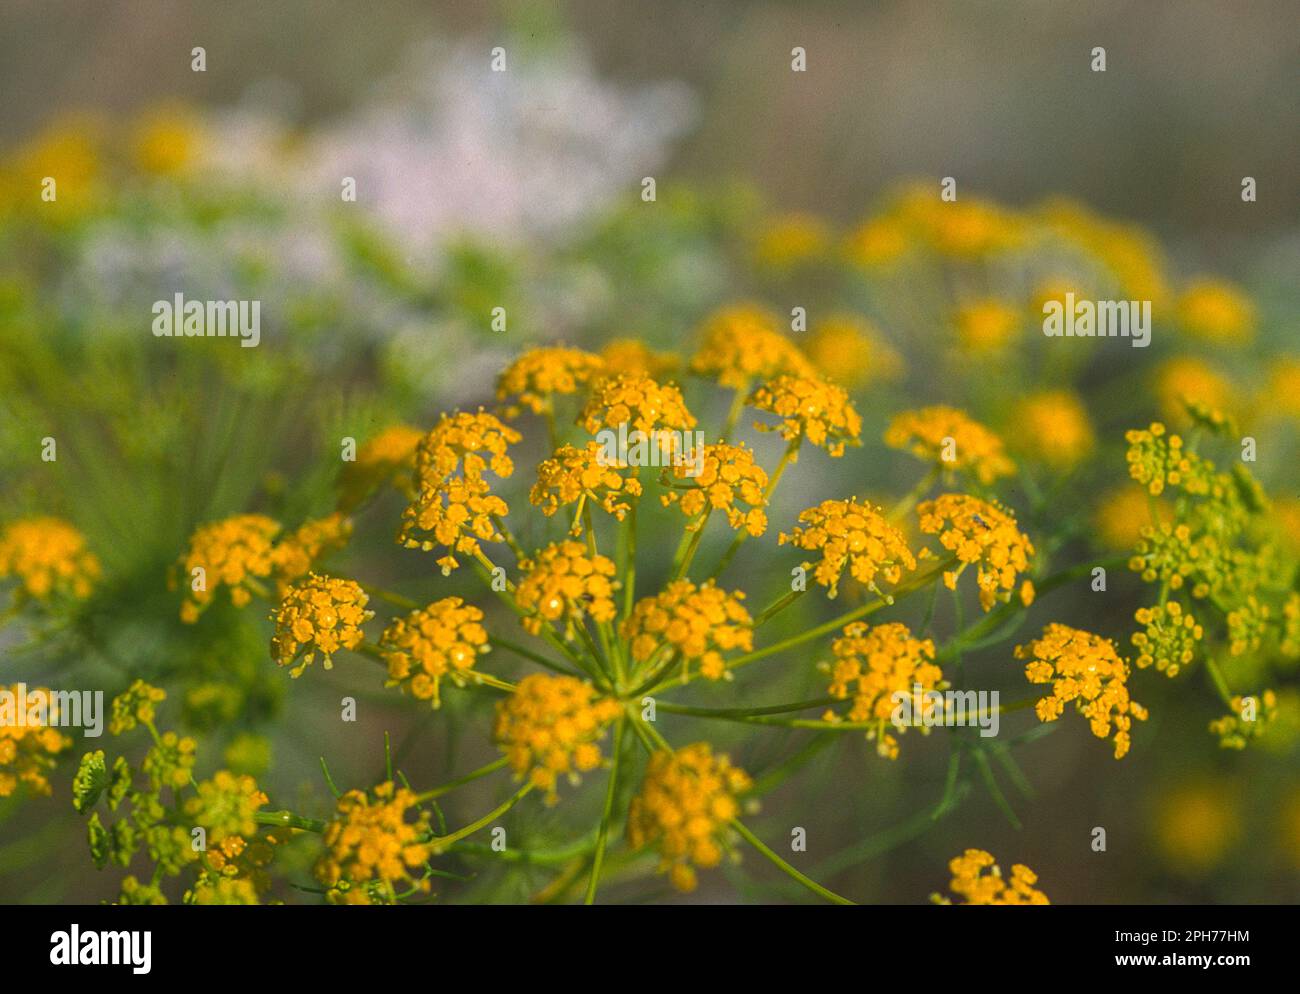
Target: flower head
(48,557)
(226,806)
(951,440)
(552,726)
(1249,719)
(744,343)
(1216,312)
(729,481)
(293,555)
(978,533)
(539,374)
(134,706)
(1169,639)
(986,326)
(791,240)
(977,878)
(371,848)
(319,614)
(685,806)
(643,405)
(564,582)
(444,639)
(1157,459)
(236,553)
(572,474)
(852,352)
(855,535)
(388,457)
(810,408)
(872,666)
(1084,669)
(1053,426)
(1185,382)
(699,623)
(631,355)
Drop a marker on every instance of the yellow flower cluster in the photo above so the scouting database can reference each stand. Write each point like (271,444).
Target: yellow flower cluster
(1185,382)
(1053,427)
(1216,312)
(977,879)
(871,665)
(791,240)
(387,457)
(1250,718)
(855,535)
(1156,459)
(1169,641)
(235,552)
(535,377)
(321,613)
(631,355)
(443,639)
(849,350)
(573,474)
(810,408)
(685,805)
(293,555)
(48,557)
(699,623)
(743,343)
(728,479)
(1086,669)
(565,582)
(981,533)
(951,440)
(458,511)
(552,725)
(635,400)
(370,847)
(226,806)
(987,325)
(27,751)
(134,706)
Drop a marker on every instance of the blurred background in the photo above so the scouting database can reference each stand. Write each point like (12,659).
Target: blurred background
(523,188)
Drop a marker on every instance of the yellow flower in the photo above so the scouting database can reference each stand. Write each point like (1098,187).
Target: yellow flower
(387,457)
(28,751)
(791,240)
(641,404)
(226,806)
(71,151)
(685,806)
(443,639)
(320,613)
(1084,669)
(1157,459)
(235,552)
(982,533)
(1283,394)
(166,141)
(1216,312)
(1053,426)
(588,474)
(631,355)
(539,374)
(220,890)
(458,511)
(965,228)
(48,557)
(851,534)
(552,725)
(977,879)
(1248,719)
(728,479)
(293,556)
(1169,641)
(987,325)
(810,408)
(850,350)
(877,243)
(1122,514)
(698,623)
(370,847)
(563,582)
(743,343)
(1185,380)
(134,706)
(951,440)
(1195,824)
(871,665)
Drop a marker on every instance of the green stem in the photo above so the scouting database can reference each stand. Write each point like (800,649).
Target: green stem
(602,836)
(451,785)
(440,845)
(287,819)
(785,867)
